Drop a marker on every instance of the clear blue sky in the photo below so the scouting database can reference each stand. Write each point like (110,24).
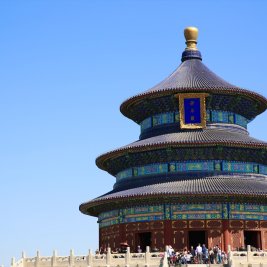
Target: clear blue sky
(65,67)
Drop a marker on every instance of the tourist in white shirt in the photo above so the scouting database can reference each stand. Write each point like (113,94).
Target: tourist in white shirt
(199,253)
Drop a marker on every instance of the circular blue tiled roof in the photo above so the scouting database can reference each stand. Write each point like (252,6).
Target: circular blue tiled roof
(222,185)
(191,76)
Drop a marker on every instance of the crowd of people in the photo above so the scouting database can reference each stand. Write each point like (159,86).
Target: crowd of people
(200,255)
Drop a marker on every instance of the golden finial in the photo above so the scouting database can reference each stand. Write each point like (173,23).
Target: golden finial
(191,34)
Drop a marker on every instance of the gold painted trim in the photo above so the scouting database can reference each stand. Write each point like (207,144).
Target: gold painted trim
(202,97)
(199,221)
(143,214)
(196,212)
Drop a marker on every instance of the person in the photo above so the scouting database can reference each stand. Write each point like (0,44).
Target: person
(215,250)
(205,254)
(189,257)
(193,253)
(219,256)
(224,258)
(199,254)
(183,257)
(211,256)
(170,252)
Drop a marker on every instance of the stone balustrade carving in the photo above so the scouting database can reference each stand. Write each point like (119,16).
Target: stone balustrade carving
(147,259)
(246,258)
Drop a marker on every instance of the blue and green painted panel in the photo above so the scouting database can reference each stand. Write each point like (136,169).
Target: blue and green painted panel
(220,116)
(196,211)
(240,120)
(195,207)
(262,169)
(124,174)
(163,118)
(196,216)
(231,166)
(192,116)
(145,124)
(151,169)
(108,218)
(204,211)
(108,215)
(108,223)
(248,212)
(144,210)
(193,166)
(144,218)
(143,213)
(248,208)
(176,116)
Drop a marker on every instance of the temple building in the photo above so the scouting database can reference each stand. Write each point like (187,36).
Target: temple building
(195,175)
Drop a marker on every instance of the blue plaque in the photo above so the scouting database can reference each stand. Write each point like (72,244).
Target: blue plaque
(192,112)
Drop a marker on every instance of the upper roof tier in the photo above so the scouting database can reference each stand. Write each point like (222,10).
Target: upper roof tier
(191,76)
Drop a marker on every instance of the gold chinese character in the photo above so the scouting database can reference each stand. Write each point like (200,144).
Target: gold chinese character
(192,118)
(192,102)
(192,110)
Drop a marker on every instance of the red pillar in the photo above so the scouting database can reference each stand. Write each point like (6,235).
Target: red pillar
(122,233)
(168,233)
(226,235)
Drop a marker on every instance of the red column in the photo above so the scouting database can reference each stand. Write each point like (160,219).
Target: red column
(122,232)
(226,234)
(168,232)
(263,242)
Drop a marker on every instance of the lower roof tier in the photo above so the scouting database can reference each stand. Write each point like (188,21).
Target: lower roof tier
(234,188)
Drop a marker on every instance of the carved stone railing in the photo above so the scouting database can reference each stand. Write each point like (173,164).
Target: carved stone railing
(147,259)
(247,258)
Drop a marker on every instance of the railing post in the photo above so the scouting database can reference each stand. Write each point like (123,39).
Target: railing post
(147,256)
(108,257)
(71,259)
(23,256)
(13,260)
(127,257)
(90,258)
(229,256)
(37,258)
(54,258)
(165,260)
(248,253)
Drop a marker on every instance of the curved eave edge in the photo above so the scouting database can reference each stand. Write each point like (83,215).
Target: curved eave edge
(87,208)
(148,147)
(124,108)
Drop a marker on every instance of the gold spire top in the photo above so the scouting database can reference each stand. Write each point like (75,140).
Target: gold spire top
(191,34)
